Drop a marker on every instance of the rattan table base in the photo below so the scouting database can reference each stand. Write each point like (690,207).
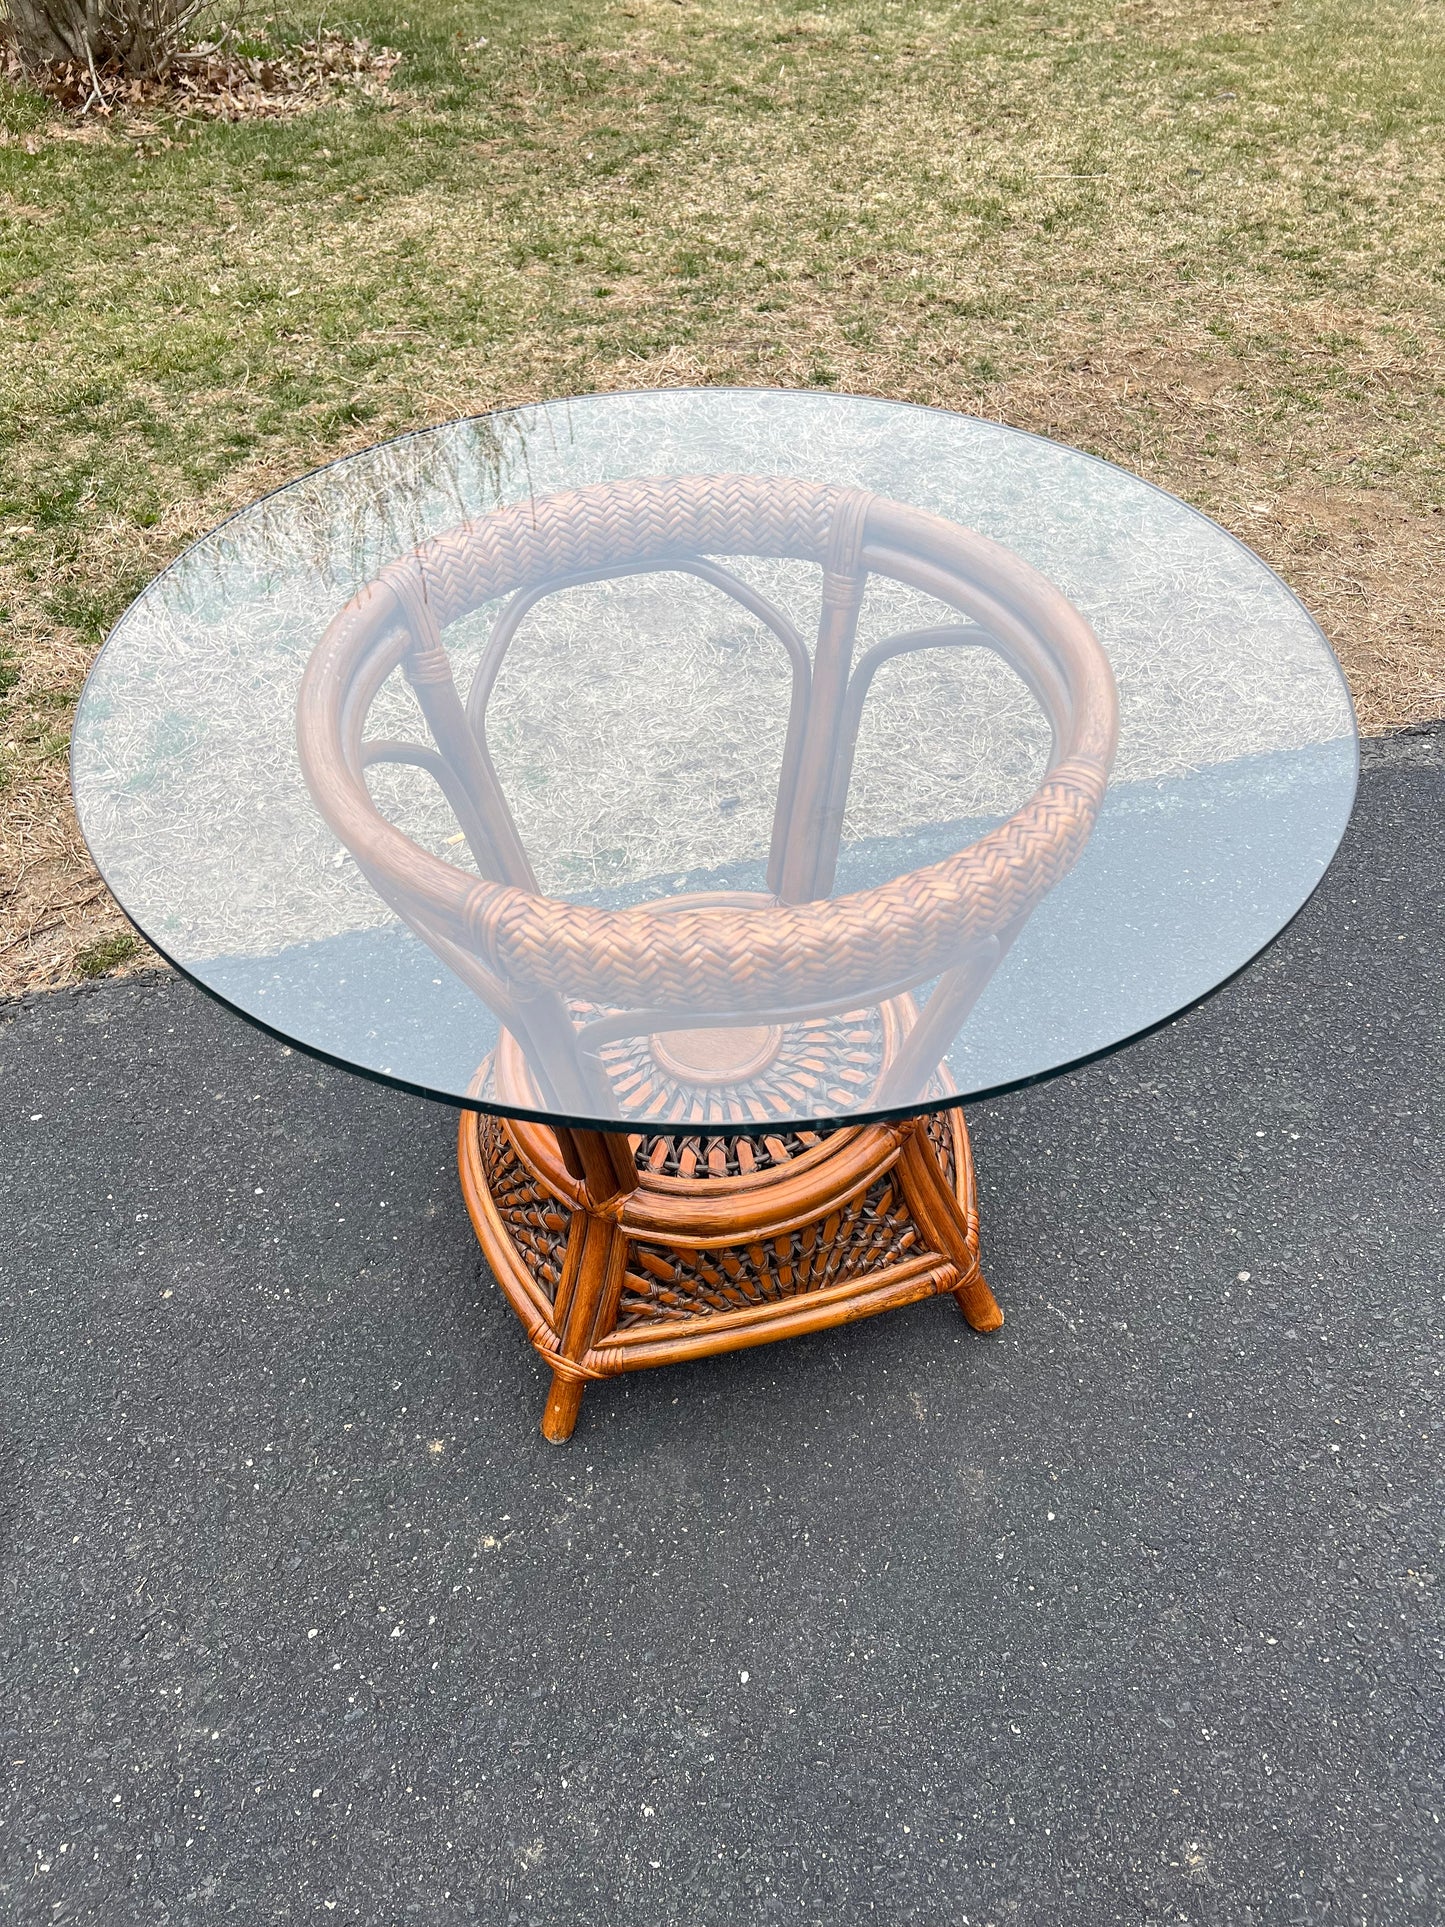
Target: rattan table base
(620,1252)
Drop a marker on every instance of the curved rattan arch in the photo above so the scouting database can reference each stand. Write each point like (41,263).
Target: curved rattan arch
(804,949)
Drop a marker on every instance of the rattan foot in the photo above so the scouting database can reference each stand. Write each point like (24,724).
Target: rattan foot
(978,1305)
(564,1402)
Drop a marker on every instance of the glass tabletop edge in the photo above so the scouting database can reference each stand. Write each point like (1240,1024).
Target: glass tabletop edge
(889,1114)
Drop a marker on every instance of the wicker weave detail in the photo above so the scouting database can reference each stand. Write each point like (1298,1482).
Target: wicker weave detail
(536,1222)
(733,1156)
(825,1064)
(590,528)
(919,923)
(938,1129)
(822,1063)
(866,1235)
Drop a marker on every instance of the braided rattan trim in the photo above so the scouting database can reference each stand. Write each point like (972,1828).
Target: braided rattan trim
(920,923)
(588,528)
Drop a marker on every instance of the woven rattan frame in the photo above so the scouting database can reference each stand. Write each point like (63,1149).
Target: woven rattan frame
(733,961)
(516,945)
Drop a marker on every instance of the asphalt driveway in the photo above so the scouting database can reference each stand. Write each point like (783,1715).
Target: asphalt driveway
(1128,1614)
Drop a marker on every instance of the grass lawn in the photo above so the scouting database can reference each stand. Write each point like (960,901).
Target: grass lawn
(1204,238)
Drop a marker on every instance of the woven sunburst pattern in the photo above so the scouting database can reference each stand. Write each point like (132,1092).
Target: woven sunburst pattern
(865,1235)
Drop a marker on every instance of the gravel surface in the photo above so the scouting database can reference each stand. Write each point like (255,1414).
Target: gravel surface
(1129,1614)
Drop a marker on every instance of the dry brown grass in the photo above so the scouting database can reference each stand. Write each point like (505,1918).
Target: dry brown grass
(1201,241)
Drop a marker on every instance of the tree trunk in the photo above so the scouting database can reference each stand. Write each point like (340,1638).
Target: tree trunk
(141,36)
(48,30)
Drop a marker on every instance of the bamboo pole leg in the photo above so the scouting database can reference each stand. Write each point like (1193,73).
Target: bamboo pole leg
(591,1283)
(564,1402)
(947,1224)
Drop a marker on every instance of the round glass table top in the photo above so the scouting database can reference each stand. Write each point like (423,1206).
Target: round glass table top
(714,760)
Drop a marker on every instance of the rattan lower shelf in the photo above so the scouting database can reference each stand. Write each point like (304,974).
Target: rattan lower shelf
(620,1252)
